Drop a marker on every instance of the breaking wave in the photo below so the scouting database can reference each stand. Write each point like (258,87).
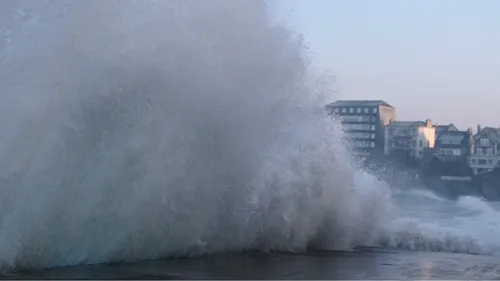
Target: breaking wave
(135,130)
(468,225)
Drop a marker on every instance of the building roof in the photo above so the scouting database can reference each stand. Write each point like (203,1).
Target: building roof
(357,103)
(446,128)
(489,132)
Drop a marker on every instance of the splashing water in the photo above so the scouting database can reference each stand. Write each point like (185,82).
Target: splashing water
(135,130)
(425,221)
(142,129)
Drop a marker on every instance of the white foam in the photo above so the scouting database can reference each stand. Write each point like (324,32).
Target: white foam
(142,129)
(468,225)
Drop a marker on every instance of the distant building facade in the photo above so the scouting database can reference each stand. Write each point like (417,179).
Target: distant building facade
(409,139)
(485,157)
(364,122)
(454,145)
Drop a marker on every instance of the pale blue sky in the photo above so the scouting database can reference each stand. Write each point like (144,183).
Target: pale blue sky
(429,58)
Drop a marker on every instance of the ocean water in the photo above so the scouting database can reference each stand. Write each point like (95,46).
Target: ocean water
(444,255)
(166,138)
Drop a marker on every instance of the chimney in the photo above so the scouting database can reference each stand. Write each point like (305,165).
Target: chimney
(478,128)
(428,123)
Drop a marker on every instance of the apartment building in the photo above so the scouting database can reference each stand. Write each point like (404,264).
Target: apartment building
(363,121)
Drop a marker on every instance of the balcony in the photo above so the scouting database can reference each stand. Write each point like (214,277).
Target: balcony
(485,152)
(401,143)
(356,118)
(402,132)
(476,161)
(358,127)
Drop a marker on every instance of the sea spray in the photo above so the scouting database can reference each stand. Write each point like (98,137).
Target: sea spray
(136,130)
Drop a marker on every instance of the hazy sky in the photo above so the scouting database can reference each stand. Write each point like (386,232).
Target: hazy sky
(428,58)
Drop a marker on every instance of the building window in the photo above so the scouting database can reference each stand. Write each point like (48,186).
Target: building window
(344,110)
(372,136)
(373,127)
(445,141)
(481,161)
(351,110)
(375,110)
(485,142)
(372,144)
(489,151)
(358,110)
(336,110)
(366,110)
(454,152)
(490,162)
(373,119)
(473,161)
(421,143)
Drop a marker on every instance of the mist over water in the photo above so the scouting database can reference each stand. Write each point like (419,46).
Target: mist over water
(134,130)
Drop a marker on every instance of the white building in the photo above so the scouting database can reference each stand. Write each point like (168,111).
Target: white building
(408,139)
(485,157)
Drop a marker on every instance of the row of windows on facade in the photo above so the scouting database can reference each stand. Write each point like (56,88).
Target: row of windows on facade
(487,151)
(353,110)
(486,142)
(358,118)
(402,131)
(361,135)
(450,151)
(360,127)
(451,141)
(480,151)
(483,142)
(363,144)
(479,161)
(395,143)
